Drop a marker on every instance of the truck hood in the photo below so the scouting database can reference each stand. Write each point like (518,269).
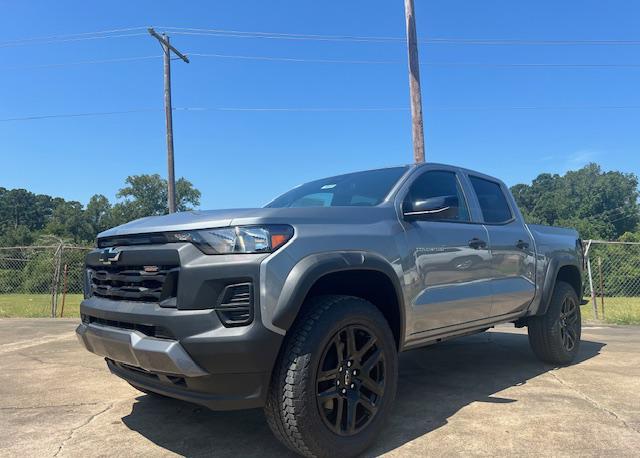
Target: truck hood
(191,220)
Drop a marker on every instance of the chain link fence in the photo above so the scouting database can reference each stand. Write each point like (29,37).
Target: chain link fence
(613,280)
(47,280)
(41,280)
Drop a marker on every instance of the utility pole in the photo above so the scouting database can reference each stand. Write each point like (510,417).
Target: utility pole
(414,84)
(168,110)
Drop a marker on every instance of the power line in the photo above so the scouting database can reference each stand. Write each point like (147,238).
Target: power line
(278,35)
(8,44)
(622,209)
(144,110)
(624,217)
(73,35)
(387,39)
(604,216)
(299,110)
(607,219)
(79,115)
(323,61)
(323,110)
(530,65)
(294,59)
(536,107)
(395,62)
(475,41)
(427,108)
(82,62)
(230,33)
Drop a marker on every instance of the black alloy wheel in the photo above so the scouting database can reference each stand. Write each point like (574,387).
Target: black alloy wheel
(568,321)
(335,380)
(350,381)
(555,336)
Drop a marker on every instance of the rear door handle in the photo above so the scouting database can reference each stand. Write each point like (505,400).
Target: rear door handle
(477,243)
(522,245)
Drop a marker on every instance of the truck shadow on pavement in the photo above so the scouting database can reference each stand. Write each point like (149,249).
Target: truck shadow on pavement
(435,383)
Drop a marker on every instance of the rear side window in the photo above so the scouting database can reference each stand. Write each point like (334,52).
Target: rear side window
(493,203)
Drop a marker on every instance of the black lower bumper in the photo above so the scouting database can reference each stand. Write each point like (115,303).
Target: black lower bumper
(217,392)
(202,361)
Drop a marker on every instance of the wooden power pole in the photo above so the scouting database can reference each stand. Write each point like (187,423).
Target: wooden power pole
(167,48)
(417,129)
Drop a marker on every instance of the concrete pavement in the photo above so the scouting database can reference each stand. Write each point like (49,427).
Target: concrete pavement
(480,395)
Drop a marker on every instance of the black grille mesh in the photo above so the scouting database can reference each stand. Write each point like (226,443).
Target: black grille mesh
(134,283)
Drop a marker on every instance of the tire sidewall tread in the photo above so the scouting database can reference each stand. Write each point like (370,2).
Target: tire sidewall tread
(291,407)
(544,330)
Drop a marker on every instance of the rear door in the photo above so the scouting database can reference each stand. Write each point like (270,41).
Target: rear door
(450,266)
(512,249)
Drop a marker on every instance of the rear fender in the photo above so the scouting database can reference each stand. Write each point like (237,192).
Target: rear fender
(550,279)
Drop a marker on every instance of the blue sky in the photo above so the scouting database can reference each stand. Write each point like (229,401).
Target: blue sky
(243,159)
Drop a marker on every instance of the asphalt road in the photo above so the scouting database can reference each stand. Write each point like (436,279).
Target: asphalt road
(480,395)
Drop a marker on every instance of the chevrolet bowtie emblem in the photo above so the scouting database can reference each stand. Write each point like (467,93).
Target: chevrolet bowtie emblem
(109,255)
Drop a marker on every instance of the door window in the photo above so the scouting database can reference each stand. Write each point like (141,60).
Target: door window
(493,203)
(443,185)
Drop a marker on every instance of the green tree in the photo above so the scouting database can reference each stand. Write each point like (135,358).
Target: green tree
(69,221)
(27,218)
(599,204)
(99,213)
(146,195)
(16,236)
(630,237)
(19,207)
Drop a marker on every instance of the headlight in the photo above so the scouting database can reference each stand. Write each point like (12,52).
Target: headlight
(236,239)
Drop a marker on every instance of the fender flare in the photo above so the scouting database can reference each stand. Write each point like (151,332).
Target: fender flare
(313,267)
(556,263)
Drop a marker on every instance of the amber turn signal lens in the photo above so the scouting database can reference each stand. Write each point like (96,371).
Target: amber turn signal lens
(277,240)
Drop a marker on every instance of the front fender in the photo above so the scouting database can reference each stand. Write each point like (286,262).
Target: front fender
(311,268)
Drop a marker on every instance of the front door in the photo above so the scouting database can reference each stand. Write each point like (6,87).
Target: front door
(451,256)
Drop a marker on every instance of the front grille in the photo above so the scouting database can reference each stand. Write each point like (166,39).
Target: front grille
(134,283)
(135,239)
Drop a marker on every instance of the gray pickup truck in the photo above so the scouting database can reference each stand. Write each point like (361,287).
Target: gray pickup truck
(301,307)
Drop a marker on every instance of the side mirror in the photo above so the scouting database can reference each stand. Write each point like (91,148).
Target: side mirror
(431,209)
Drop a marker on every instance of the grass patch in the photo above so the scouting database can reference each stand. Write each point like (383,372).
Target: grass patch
(37,305)
(617,310)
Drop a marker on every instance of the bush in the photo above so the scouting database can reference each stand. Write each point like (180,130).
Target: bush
(37,274)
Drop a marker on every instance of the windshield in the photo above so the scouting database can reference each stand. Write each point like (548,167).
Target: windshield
(353,189)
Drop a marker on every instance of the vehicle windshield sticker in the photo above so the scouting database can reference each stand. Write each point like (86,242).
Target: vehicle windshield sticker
(328,186)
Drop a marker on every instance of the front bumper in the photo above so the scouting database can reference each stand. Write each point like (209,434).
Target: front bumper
(135,349)
(185,351)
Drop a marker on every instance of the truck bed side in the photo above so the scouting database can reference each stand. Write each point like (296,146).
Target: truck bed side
(558,256)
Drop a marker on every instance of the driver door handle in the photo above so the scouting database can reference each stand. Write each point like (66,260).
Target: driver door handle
(477,243)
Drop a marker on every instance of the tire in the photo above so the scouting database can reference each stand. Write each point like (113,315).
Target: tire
(555,336)
(317,378)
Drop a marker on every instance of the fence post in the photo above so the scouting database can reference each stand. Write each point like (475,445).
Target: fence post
(601,284)
(57,260)
(593,292)
(64,288)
